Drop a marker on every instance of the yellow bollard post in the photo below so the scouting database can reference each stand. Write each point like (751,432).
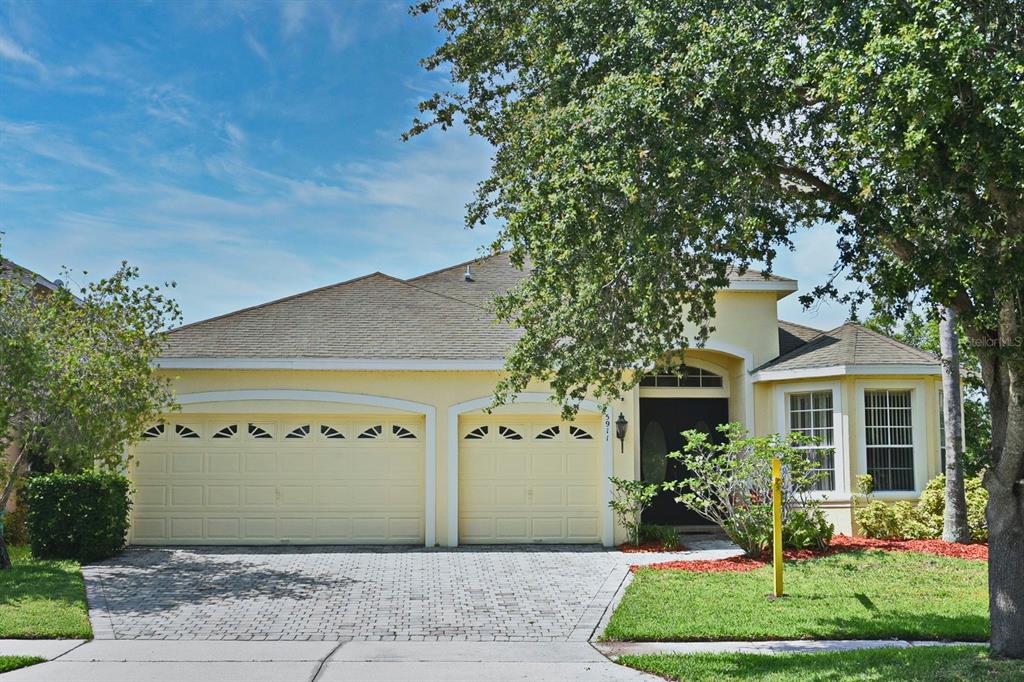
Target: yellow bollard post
(777,523)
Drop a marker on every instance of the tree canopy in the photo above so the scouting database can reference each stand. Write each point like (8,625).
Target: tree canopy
(644,147)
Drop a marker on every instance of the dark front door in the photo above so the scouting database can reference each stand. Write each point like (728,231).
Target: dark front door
(662,421)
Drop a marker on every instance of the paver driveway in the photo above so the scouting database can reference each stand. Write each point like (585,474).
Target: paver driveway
(509,593)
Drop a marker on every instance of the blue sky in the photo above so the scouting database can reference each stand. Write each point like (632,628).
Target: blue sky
(246,150)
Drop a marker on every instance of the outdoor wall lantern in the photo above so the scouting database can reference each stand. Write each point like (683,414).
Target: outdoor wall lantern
(620,431)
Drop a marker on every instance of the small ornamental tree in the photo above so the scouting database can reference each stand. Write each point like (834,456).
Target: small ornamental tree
(630,499)
(730,484)
(77,380)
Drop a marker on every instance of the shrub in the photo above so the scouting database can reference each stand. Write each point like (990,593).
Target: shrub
(667,536)
(78,516)
(629,500)
(923,521)
(731,486)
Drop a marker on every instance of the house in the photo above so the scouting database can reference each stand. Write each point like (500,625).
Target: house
(355,413)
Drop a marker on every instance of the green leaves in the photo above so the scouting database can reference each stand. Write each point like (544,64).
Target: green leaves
(76,371)
(641,148)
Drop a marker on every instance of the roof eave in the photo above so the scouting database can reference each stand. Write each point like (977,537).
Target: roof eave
(846,370)
(351,364)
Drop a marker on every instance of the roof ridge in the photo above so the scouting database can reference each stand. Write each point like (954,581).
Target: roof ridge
(799,349)
(802,326)
(890,340)
(435,293)
(283,299)
(458,265)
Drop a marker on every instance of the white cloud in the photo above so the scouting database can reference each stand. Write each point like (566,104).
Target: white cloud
(12,51)
(43,141)
(235,134)
(256,46)
(293,16)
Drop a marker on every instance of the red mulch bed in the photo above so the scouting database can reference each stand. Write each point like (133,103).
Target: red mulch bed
(840,543)
(649,546)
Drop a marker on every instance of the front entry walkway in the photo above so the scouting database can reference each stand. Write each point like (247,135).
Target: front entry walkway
(507,593)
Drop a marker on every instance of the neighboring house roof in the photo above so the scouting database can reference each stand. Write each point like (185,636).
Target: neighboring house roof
(850,346)
(27,276)
(441,315)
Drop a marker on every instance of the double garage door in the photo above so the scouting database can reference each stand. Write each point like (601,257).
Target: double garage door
(237,479)
(323,479)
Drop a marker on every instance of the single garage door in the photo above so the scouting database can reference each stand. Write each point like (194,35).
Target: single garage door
(254,479)
(533,479)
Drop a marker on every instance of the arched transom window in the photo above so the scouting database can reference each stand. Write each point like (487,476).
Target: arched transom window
(683,377)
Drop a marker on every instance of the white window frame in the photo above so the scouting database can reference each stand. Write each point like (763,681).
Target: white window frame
(918,432)
(840,431)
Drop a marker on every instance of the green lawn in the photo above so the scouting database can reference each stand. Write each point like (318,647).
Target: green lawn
(42,599)
(858,595)
(9,663)
(939,663)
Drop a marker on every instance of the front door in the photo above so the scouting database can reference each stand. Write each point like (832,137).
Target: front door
(662,421)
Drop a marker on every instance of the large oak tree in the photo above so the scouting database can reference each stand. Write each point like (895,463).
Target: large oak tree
(643,147)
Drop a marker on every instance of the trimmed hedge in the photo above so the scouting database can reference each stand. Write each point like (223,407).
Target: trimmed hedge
(78,516)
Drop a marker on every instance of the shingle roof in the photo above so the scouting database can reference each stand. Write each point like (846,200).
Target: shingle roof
(848,344)
(436,316)
(793,335)
(373,317)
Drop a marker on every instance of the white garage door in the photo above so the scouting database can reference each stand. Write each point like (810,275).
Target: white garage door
(530,479)
(254,479)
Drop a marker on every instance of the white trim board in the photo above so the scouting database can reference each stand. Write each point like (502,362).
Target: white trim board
(429,436)
(455,411)
(845,370)
(356,364)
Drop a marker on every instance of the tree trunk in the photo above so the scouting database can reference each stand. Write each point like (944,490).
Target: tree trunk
(954,524)
(1005,516)
(1003,375)
(5,559)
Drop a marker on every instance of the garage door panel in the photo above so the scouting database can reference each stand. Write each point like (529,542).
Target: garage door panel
(582,528)
(547,464)
(548,495)
(295,495)
(511,464)
(260,462)
(223,528)
(187,463)
(222,463)
(511,496)
(512,529)
(152,462)
(222,495)
(151,495)
(238,479)
(187,495)
(186,528)
(548,528)
(533,480)
(582,496)
(265,495)
(260,528)
(153,529)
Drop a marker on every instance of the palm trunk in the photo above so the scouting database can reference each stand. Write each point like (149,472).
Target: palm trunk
(954,525)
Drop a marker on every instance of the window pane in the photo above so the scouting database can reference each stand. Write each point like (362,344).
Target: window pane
(889,438)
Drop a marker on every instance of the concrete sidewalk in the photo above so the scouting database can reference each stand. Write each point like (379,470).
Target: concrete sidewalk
(218,661)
